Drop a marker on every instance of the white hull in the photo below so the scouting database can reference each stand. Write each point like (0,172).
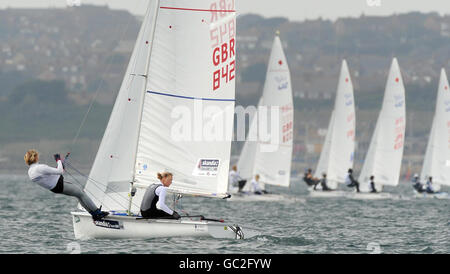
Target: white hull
(327,194)
(127,227)
(440,195)
(248,197)
(371,196)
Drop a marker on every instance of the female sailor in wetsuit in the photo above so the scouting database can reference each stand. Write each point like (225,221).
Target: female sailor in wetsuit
(52,179)
(154,202)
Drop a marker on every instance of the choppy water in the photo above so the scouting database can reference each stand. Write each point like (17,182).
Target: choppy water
(34,220)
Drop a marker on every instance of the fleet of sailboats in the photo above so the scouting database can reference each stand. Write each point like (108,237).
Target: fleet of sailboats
(184,60)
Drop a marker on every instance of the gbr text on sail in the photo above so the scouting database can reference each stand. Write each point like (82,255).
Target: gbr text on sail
(223,42)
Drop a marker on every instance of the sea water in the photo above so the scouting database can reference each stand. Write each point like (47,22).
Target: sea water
(35,220)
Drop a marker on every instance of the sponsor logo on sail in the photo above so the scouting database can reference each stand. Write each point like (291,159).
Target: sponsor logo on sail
(398,100)
(282,82)
(348,99)
(207,167)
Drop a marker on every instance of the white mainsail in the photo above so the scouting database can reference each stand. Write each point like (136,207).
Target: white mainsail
(384,157)
(437,157)
(183,65)
(337,153)
(271,159)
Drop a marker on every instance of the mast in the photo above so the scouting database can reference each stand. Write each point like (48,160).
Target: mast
(147,66)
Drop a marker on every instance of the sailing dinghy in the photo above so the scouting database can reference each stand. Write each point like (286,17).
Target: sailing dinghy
(338,150)
(183,60)
(437,157)
(271,159)
(384,157)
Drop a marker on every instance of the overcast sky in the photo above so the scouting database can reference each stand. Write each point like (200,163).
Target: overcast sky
(293,9)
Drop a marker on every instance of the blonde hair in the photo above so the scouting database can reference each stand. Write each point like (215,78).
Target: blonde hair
(31,157)
(164,175)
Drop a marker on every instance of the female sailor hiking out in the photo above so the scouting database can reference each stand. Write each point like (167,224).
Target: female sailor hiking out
(52,179)
(154,202)
(310,180)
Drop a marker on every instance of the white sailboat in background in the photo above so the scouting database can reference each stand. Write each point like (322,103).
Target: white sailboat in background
(338,150)
(271,160)
(437,157)
(183,58)
(384,157)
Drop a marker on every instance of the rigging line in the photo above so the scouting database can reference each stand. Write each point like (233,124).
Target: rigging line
(94,195)
(96,183)
(107,188)
(76,181)
(100,86)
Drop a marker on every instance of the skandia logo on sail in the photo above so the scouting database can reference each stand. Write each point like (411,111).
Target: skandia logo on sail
(109,224)
(208,163)
(207,167)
